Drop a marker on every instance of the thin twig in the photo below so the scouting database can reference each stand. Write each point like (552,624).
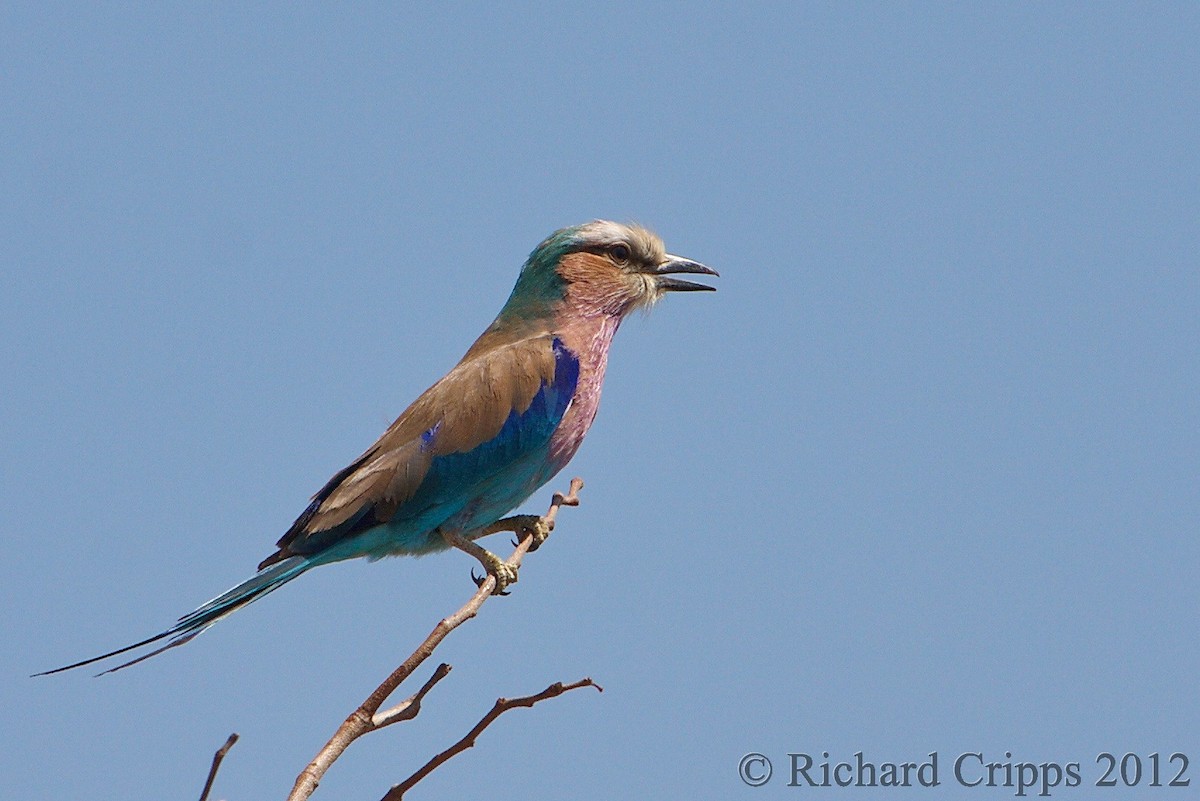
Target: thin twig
(559,500)
(409,707)
(501,706)
(216,765)
(364,719)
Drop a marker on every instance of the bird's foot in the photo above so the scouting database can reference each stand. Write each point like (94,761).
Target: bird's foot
(504,573)
(539,529)
(534,526)
(530,525)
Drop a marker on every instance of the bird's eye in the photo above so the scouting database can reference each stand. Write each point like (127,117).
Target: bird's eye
(619,252)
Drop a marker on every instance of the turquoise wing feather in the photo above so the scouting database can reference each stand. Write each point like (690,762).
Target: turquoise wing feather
(482,431)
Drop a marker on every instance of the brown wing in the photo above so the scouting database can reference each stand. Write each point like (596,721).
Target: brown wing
(461,411)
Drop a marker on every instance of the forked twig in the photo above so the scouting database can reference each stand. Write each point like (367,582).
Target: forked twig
(367,717)
(409,707)
(501,706)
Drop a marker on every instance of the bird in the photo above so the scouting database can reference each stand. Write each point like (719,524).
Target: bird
(475,445)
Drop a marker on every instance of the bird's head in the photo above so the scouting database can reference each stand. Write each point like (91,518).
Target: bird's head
(601,267)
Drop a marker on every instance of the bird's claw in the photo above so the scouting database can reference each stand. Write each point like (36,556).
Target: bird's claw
(539,529)
(504,573)
(479,583)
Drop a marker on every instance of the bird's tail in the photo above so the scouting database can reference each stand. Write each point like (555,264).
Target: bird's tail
(199,619)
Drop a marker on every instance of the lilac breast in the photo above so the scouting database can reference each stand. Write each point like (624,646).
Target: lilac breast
(589,338)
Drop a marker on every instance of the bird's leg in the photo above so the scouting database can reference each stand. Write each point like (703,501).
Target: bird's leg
(504,573)
(535,526)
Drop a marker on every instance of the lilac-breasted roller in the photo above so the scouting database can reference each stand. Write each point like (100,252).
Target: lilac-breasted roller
(476,444)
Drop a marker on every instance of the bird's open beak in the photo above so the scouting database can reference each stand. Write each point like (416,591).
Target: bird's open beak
(677,264)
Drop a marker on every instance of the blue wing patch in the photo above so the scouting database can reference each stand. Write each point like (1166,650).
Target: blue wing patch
(520,433)
(467,487)
(506,462)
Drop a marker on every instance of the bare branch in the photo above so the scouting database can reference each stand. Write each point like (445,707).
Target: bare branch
(501,706)
(367,717)
(570,499)
(216,765)
(411,706)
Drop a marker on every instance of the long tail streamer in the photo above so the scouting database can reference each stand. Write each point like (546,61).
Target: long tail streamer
(200,619)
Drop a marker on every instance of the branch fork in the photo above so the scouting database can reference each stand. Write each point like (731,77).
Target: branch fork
(368,717)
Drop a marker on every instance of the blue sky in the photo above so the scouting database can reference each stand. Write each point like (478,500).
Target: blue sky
(923,476)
